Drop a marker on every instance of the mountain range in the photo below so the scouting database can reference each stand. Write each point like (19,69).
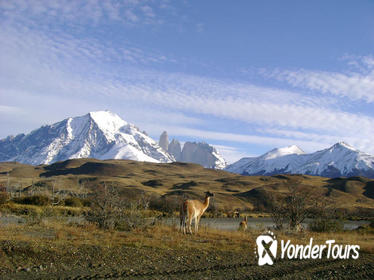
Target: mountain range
(339,160)
(100,135)
(104,135)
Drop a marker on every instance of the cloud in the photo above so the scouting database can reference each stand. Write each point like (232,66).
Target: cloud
(269,141)
(4,109)
(231,154)
(81,12)
(353,85)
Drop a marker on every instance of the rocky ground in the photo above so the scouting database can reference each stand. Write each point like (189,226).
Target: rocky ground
(52,251)
(147,263)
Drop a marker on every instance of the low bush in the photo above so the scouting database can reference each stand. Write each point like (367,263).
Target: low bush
(73,202)
(4,196)
(86,202)
(326,225)
(45,211)
(110,211)
(39,200)
(167,205)
(20,209)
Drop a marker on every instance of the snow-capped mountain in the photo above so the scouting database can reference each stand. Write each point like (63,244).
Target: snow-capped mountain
(340,159)
(101,135)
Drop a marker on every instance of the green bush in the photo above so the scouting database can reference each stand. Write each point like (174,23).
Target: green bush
(86,202)
(39,200)
(371,224)
(22,209)
(73,202)
(4,196)
(326,225)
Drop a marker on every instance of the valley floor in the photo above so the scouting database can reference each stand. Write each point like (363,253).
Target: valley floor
(56,250)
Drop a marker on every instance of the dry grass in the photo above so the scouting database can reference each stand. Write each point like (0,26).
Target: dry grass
(167,237)
(45,211)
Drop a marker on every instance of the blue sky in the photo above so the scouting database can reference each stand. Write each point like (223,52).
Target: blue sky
(245,76)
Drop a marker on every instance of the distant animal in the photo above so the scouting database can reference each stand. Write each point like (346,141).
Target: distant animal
(299,228)
(193,209)
(236,214)
(243,225)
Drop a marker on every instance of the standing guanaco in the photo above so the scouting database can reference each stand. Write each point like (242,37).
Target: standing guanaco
(243,224)
(193,209)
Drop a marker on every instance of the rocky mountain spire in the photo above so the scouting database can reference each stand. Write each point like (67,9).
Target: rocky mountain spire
(164,141)
(175,149)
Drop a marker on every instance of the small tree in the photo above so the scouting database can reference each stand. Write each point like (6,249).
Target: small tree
(293,208)
(297,209)
(106,207)
(278,213)
(109,210)
(56,195)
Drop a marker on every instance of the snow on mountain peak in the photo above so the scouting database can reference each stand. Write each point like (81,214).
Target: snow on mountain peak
(101,134)
(280,152)
(107,121)
(340,159)
(344,145)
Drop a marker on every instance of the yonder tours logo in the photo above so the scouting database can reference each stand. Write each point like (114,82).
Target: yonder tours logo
(267,246)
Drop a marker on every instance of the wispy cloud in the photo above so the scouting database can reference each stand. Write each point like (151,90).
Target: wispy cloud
(5,109)
(354,85)
(78,12)
(231,154)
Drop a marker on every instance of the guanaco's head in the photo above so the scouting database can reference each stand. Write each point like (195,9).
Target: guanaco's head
(209,194)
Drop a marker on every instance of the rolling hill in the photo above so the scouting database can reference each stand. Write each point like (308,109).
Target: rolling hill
(176,180)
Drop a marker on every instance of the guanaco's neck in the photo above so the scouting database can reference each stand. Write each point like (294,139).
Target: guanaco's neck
(206,202)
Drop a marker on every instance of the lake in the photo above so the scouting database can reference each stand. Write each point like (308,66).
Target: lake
(255,223)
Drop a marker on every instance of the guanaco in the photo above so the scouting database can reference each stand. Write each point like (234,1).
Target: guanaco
(193,209)
(243,224)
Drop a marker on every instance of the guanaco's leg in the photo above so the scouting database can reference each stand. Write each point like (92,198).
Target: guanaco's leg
(189,222)
(197,223)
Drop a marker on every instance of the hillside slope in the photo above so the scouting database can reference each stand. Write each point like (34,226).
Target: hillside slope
(177,180)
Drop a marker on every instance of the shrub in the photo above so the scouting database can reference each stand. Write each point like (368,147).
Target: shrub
(73,202)
(326,225)
(22,209)
(110,211)
(371,224)
(165,204)
(4,196)
(86,202)
(152,183)
(39,200)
